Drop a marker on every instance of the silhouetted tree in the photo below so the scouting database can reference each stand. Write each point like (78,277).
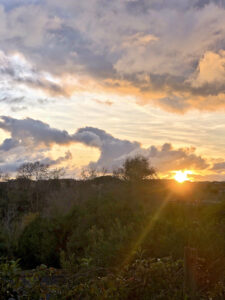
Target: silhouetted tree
(136,169)
(88,173)
(34,171)
(91,172)
(4,176)
(56,174)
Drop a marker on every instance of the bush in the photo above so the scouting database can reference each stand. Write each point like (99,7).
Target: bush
(40,243)
(102,230)
(142,279)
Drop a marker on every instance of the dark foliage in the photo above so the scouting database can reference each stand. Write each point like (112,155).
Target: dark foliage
(111,239)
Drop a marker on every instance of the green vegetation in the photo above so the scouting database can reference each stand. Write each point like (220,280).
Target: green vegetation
(105,238)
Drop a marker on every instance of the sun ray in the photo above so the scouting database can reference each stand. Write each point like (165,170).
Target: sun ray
(145,232)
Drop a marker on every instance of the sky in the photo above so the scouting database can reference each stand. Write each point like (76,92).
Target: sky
(90,83)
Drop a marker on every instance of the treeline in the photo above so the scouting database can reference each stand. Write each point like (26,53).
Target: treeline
(111,237)
(134,169)
(34,171)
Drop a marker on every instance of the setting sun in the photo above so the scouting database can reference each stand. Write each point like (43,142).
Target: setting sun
(182,176)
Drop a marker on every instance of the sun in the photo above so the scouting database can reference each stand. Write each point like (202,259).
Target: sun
(181,176)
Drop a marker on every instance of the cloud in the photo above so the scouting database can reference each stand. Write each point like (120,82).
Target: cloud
(52,162)
(146,55)
(167,158)
(18,108)
(110,147)
(15,69)
(107,102)
(211,69)
(34,133)
(26,24)
(8,144)
(219,167)
(11,166)
(36,139)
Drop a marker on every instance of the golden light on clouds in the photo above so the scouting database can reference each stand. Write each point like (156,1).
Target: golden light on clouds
(3,135)
(81,155)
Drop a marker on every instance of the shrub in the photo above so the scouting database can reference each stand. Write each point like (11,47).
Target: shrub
(39,243)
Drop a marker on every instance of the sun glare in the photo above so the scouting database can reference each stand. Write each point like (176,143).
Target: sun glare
(182,176)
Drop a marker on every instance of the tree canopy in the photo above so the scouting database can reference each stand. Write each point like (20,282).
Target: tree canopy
(136,168)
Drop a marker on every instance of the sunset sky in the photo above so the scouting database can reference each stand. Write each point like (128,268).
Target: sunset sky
(94,82)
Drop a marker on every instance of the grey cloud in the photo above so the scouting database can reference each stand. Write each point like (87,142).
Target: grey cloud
(110,147)
(12,100)
(58,161)
(202,3)
(220,167)
(36,138)
(144,5)
(167,158)
(8,144)
(11,167)
(30,135)
(178,159)
(14,161)
(22,103)
(15,164)
(17,70)
(33,132)
(18,108)
(88,38)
